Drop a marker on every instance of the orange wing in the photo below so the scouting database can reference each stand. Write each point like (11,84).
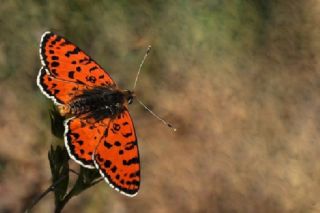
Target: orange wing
(65,61)
(82,136)
(117,156)
(60,91)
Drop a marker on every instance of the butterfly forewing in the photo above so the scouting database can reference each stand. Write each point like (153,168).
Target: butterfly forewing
(66,61)
(117,156)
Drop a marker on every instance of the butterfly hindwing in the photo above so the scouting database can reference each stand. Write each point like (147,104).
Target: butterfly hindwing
(82,137)
(117,156)
(66,61)
(59,91)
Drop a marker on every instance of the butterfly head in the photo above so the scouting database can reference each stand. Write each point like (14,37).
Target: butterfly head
(129,95)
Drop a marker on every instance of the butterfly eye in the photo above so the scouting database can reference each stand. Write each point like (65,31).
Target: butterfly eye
(130,100)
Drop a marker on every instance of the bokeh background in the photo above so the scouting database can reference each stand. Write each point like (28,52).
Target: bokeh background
(240,79)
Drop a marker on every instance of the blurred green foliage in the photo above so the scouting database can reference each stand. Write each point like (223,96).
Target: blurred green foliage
(119,30)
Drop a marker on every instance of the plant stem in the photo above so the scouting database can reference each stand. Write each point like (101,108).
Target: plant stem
(49,189)
(80,186)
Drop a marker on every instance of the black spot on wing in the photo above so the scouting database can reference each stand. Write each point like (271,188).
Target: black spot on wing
(127,135)
(75,51)
(55,64)
(107,163)
(80,142)
(66,42)
(85,61)
(105,133)
(75,135)
(136,183)
(117,143)
(93,68)
(107,145)
(130,145)
(79,82)
(71,74)
(135,174)
(82,124)
(116,127)
(58,38)
(91,79)
(98,157)
(114,169)
(134,160)
(54,72)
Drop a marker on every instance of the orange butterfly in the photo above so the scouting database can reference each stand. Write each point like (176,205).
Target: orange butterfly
(99,131)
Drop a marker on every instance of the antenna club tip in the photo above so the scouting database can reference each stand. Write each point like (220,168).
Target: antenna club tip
(170,126)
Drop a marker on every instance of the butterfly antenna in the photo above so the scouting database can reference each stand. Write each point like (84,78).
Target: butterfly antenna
(142,62)
(157,116)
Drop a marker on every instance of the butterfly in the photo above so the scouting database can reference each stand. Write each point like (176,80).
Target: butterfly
(99,132)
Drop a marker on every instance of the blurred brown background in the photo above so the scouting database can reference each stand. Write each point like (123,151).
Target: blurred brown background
(240,79)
